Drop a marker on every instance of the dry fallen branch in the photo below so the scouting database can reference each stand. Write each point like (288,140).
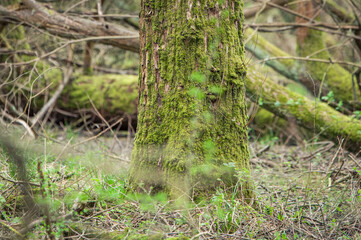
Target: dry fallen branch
(69,26)
(21,122)
(309,25)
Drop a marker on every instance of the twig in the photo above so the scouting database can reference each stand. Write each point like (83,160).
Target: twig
(103,119)
(100,212)
(334,157)
(252,11)
(320,150)
(265,149)
(309,25)
(99,134)
(20,121)
(105,15)
(12,229)
(41,220)
(48,225)
(96,68)
(311,60)
(20,182)
(54,98)
(340,181)
(353,158)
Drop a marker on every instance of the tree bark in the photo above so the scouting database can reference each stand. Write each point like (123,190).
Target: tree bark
(192,113)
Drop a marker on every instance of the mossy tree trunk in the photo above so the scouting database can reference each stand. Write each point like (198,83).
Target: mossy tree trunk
(192,114)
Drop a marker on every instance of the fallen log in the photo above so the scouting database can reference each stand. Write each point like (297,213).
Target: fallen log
(316,76)
(311,114)
(111,94)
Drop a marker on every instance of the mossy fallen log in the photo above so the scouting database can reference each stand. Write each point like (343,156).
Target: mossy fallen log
(332,76)
(311,114)
(264,50)
(110,94)
(314,75)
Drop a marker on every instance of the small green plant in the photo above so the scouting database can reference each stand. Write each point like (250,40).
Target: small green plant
(357,114)
(330,97)
(281,236)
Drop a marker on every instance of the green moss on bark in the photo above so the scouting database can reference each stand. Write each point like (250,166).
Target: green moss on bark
(191,104)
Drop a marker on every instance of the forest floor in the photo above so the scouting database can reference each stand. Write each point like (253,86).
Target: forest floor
(309,191)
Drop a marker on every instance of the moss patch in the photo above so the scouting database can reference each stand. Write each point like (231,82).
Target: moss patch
(109,93)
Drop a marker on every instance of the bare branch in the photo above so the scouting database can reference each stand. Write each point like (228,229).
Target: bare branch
(252,11)
(54,98)
(309,25)
(71,27)
(66,44)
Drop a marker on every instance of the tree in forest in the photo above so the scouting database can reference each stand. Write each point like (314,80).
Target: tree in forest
(192,116)
(116,94)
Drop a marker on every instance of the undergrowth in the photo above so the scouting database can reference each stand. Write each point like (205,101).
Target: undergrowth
(303,192)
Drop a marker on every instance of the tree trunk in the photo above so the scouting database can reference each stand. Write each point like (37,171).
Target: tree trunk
(191,114)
